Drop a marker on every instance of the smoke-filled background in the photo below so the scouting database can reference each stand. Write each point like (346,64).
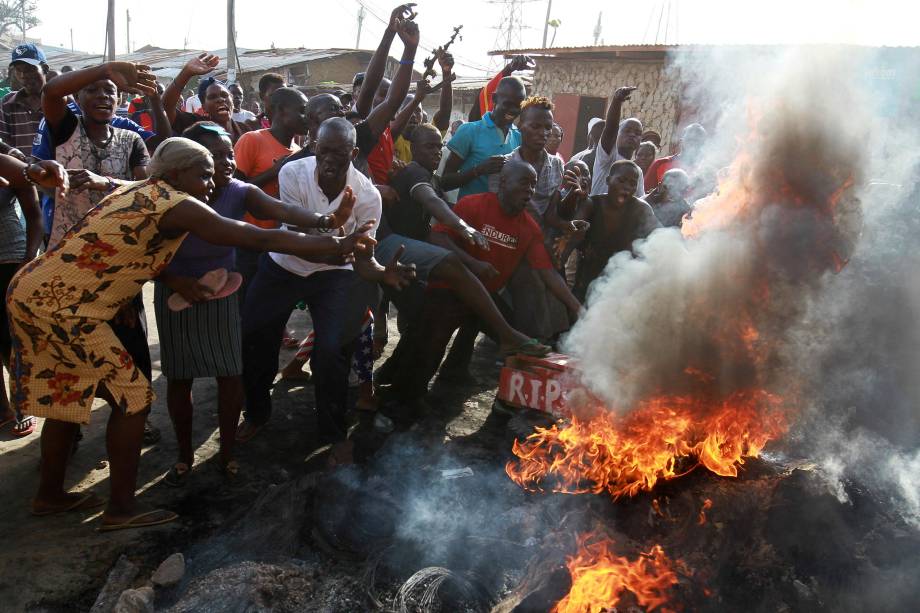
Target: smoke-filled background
(841,350)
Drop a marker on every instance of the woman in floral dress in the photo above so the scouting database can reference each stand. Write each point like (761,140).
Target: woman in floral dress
(60,305)
(100,157)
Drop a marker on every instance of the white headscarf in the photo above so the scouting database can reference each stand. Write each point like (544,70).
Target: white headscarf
(176,153)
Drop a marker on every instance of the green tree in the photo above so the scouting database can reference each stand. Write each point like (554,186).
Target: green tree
(12,13)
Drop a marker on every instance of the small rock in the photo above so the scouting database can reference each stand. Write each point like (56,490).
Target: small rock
(135,601)
(102,465)
(170,571)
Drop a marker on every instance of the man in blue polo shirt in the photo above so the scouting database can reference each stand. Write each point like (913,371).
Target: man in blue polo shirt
(478,147)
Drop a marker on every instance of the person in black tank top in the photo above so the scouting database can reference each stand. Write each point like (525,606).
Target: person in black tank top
(617,219)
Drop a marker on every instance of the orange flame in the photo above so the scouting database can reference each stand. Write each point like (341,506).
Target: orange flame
(600,578)
(629,454)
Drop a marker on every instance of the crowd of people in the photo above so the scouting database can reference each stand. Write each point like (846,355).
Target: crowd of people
(342,204)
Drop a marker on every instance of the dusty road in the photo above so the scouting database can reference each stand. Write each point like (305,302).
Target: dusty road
(58,564)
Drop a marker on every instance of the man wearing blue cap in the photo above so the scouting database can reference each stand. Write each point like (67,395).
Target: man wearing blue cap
(21,111)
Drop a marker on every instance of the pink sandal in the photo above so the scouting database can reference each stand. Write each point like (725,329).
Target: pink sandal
(24,427)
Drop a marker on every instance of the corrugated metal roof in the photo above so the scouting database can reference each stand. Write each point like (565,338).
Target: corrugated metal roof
(168,62)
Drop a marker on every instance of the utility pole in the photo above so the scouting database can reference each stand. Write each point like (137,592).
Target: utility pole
(110,31)
(360,24)
(549,8)
(232,67)
(128,30)
(597,29)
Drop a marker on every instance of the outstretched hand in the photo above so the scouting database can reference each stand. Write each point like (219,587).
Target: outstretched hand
(422,89)
(343,211)
(396,274)
(401,13)
(445,61)
(131,77)
(203,64)
(521,62)
(571,180)
(577,229)
(408,32)
(622,94)
(358,243)
(49,175)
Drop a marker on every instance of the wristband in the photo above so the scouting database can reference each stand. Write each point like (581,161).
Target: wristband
(25,175)
(112,185)
(406,62)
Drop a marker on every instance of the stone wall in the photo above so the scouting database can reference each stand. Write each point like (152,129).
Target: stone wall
(655,102)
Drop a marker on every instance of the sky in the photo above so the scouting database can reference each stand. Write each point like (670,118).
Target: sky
(200,24)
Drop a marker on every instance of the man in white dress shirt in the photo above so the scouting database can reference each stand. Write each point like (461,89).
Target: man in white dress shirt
(318,184)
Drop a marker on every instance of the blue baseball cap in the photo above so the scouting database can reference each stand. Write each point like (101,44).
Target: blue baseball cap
(28,53)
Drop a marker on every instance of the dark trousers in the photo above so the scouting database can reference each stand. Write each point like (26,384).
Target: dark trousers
(273,294)
(247,264)
(442,313)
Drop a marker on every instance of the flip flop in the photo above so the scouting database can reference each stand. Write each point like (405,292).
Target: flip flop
(531,347)
(214,280)
(25,427)
(233,283)
(141,520)
(87,501)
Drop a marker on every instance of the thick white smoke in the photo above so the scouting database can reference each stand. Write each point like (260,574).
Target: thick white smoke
(842,349)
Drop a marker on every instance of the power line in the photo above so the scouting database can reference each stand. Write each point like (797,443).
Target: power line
(426,45)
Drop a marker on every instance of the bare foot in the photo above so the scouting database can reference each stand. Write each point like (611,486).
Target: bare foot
(66,501)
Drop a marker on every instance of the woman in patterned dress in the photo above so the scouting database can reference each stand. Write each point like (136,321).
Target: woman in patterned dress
(99,157)
(60,305)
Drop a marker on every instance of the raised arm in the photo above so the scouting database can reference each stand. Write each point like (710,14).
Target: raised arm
(422,89)
(380,117)
(378,63)
(441,119)
(161,126)
(127,76)
(197,66)
(612,126)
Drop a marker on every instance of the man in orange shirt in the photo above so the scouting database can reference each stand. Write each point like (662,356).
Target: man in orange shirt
(260,155)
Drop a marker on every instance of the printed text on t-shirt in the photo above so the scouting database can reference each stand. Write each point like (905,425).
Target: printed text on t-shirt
(499,238)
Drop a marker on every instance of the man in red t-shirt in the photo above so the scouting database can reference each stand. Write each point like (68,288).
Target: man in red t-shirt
(513,235)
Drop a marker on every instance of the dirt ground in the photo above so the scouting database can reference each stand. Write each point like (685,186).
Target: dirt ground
(59,563)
